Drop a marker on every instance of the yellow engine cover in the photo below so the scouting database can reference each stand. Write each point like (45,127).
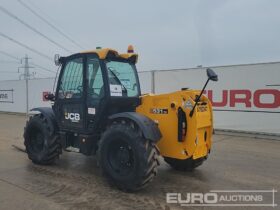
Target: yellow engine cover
(163,109)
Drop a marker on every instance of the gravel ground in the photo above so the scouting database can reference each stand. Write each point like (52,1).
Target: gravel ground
(75,181)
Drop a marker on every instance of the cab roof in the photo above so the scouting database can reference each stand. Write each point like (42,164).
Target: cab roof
(105,52)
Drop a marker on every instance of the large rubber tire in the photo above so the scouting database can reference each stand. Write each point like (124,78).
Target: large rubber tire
(126,158)
(184,165)
(41,140)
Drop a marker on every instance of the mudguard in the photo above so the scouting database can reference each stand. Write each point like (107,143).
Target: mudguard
(148,127)
(49,115)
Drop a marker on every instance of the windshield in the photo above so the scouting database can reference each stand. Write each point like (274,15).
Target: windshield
(122,79)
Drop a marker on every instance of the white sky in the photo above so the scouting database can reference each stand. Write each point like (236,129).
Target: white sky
(166,34)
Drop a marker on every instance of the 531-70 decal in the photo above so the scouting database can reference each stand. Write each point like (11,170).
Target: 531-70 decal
(159,111)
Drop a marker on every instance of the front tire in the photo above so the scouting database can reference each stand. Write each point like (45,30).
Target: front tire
(127,159)
(41,141)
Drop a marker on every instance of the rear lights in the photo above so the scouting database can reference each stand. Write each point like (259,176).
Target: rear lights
(182,125)
(205,136)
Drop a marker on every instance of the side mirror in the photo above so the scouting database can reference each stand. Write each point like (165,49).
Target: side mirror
(212,75)
(49,97)
(57,59)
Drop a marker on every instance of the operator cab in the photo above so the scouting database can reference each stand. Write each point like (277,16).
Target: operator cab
(93,85)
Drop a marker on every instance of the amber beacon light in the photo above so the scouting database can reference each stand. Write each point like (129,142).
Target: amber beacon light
(130,49)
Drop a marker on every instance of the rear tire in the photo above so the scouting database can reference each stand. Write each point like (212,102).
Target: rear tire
(127,159)
(41,141)
(184,165)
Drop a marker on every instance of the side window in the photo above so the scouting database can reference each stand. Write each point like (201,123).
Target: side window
(122,79)
(95,79)
(71,84)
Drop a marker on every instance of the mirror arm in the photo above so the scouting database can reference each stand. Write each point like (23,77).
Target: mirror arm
(198,98)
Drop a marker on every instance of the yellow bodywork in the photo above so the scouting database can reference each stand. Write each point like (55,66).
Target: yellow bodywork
(198,139)
(102,53)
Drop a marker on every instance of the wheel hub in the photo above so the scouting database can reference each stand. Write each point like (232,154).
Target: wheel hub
(121,157)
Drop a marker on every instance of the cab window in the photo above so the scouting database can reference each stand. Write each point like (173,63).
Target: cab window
(71,84)
(122,79)
(95,79)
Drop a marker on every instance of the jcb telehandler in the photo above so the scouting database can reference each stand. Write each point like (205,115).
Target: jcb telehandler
(98,109)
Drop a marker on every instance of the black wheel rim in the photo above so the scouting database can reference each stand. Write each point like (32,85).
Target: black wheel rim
(37,140)
(121,157)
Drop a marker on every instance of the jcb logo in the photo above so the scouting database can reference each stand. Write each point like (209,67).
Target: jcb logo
(74,117)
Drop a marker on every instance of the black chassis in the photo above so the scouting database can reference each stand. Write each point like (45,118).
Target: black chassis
(86,134)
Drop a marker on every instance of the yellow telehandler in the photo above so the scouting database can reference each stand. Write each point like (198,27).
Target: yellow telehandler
(98,108)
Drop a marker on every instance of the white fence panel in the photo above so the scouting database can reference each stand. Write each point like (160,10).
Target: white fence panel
(246,97)
(145,81)
(17,98)
(15,101)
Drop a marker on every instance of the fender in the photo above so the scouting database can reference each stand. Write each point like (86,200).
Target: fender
(149,128)
(48,113)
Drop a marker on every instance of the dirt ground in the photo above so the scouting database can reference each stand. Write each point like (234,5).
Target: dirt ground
(75,181)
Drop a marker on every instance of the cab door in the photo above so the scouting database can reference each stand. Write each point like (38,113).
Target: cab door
(70,103)
(96,93)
